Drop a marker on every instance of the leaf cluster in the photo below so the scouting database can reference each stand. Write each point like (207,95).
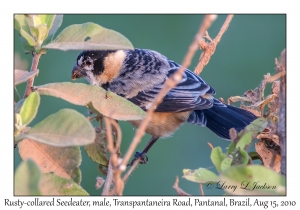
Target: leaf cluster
(236,166)
(50,148)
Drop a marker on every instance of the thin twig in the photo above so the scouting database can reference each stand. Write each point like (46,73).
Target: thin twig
(201,190)
(126,176)
(110,143)
(130,170)
(119,132)
(170,83)
(210,145)
(34,64)
(109,179)
(209,48)
(119,185)
(276,76)
(178,189)
(223,29)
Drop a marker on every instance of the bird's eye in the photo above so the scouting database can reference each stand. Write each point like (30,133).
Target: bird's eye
(88,62)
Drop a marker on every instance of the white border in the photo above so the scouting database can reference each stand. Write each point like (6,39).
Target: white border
(154,6)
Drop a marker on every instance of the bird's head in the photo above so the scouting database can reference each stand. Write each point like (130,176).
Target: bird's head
(98,67)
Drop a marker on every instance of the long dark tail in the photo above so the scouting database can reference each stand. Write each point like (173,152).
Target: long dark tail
(220,118)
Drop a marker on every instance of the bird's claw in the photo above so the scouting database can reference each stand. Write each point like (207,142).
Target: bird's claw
(139,155)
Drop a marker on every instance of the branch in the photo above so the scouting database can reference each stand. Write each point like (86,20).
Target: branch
(201,190)
(113,163)
(209,48)
(35,62)
(126,176)
(108,180)
(170,83)
(282,112)
(178,189)
(129,172)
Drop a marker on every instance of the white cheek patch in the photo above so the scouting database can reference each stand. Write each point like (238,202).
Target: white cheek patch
(79,62)
(91,78)
(89,68)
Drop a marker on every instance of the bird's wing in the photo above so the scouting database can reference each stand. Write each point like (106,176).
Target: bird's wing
(192,93)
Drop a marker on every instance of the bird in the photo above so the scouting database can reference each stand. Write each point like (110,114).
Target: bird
(139,74)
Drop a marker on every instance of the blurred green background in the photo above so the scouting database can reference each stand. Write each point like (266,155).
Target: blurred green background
(246,52)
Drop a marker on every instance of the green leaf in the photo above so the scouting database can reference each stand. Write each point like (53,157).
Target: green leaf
(47,19)
(19,105)
(30,40)
(254,155)
(22,76)
(217,156)
(39,28)
(245,140)
(225,164)
(253,180)
(52,26)
(89,36)
(21,23)
(257,125)
(51,184)
(27,177)
(26,47)
(18,127)
(231,147)
(30,108)
(97,150)
(245,157)
(62,161)
(66,127)
(107,103)
(18,22)
(200,175)
(18,119)
(40,32)
(34,20)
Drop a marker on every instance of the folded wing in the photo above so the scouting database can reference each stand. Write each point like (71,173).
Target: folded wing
(192,93)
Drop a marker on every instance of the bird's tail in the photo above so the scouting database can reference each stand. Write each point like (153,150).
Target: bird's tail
(220,118)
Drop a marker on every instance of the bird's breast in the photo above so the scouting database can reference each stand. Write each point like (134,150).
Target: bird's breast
(164,124)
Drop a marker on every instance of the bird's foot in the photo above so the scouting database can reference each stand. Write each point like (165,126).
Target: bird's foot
(139,155)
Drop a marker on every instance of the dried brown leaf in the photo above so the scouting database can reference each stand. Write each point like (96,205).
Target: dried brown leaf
(270,158)
(251,95)
(270,136)
(267,100)
(62,161)
(99,182)
(276,87)
(275,77)
(234,99)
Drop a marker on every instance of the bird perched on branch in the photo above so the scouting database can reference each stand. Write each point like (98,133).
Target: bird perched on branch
(138,75)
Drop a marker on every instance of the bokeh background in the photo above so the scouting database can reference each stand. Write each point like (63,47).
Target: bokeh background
(246,52)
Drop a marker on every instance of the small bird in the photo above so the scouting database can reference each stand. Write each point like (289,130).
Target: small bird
(138,75)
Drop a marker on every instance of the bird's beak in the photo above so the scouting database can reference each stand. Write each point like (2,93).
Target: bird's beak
(77,72)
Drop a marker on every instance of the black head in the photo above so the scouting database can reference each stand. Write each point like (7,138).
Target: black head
(91,60)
